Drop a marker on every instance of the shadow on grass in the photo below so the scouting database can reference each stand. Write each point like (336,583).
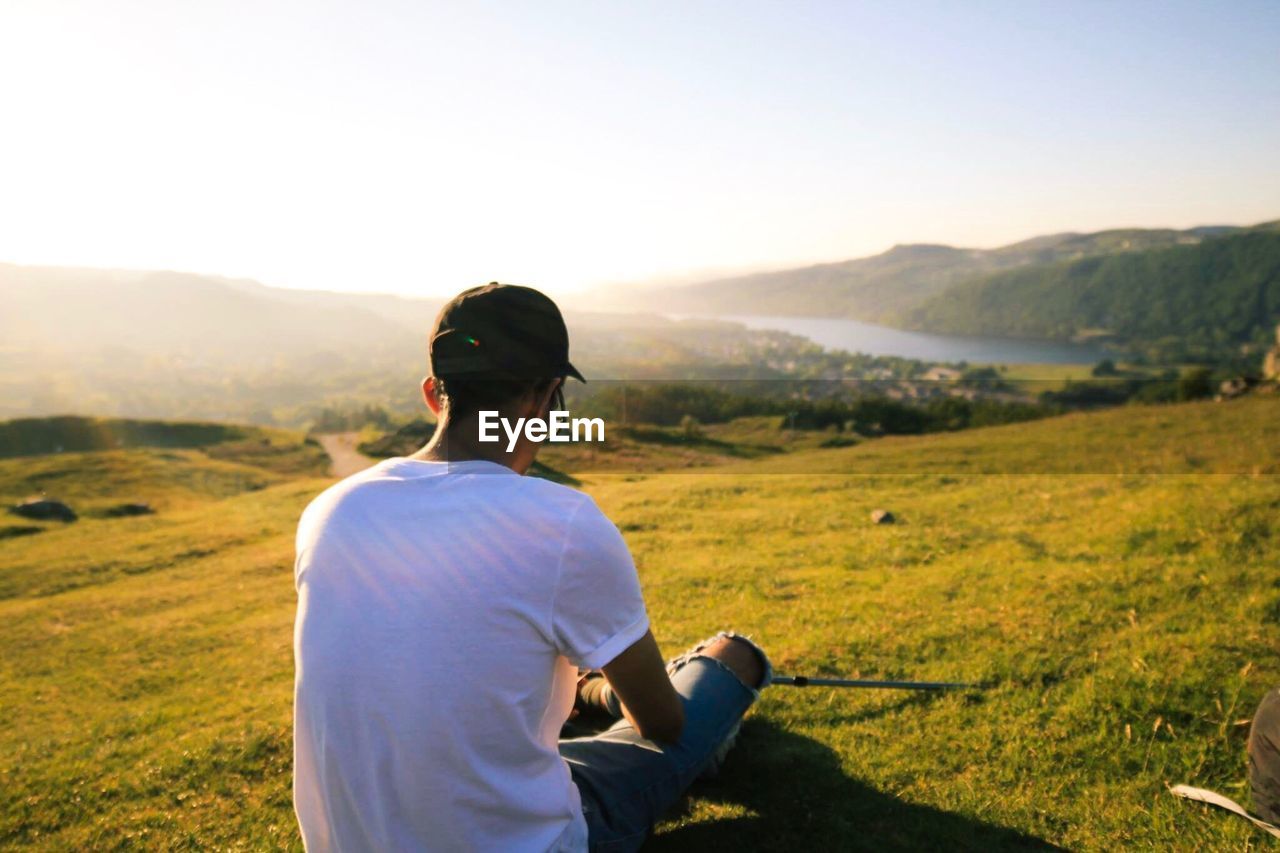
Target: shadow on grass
(799,798)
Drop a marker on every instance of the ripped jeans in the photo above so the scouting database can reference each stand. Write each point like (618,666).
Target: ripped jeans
(627,782)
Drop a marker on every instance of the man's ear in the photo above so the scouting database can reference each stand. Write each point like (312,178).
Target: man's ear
(544,399)
(536,402)
(431,395)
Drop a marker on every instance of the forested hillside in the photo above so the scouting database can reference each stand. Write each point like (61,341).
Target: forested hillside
(1173,303)
(882,287)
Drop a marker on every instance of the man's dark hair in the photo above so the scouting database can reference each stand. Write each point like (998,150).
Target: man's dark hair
(465,395)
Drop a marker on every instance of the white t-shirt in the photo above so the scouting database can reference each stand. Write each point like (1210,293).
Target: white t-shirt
(442,612)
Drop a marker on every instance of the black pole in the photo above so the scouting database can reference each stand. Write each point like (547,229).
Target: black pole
(806,681)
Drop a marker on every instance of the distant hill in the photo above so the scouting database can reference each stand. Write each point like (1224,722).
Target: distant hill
(206,317)
(1185,301)
(882,287)
(199,347)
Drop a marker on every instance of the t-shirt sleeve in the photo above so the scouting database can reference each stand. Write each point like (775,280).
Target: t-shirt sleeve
(598,611)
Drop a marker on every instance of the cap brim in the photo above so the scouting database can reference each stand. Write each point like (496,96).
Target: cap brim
(570,370)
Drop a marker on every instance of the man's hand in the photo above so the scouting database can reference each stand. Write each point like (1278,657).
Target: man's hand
(595,695)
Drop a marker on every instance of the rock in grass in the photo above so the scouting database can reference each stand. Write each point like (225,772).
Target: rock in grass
(124,510)
(42,509)
(882,516)
(1232,388)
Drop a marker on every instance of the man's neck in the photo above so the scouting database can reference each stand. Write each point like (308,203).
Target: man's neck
(458,441)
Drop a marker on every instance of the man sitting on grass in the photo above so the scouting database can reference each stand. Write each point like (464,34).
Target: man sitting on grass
(445,607)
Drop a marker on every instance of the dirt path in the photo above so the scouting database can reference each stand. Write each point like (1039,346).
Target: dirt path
(345,459)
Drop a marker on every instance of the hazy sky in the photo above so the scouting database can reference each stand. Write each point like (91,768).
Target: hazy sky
(424,146)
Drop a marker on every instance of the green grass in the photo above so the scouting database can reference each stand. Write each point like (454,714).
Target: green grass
(650,448)
(1112,575)
(164,477)
(1034,379)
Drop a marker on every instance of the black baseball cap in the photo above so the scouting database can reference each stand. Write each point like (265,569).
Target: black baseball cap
(500,331)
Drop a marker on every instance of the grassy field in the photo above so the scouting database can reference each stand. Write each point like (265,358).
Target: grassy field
(649,448)
(1113,575)
(1035,379)
(1058,373)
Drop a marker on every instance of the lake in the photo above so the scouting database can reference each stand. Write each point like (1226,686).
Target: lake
(856,336)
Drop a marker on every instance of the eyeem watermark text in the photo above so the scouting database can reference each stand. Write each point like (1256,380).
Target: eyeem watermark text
(558,427)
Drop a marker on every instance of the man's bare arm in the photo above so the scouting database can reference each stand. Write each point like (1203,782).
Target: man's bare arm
(649,702)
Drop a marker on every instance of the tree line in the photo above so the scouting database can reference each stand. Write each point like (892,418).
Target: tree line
(1194,303)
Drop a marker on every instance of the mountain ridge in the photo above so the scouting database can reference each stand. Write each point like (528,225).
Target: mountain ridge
(1116,285)
(879,288)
